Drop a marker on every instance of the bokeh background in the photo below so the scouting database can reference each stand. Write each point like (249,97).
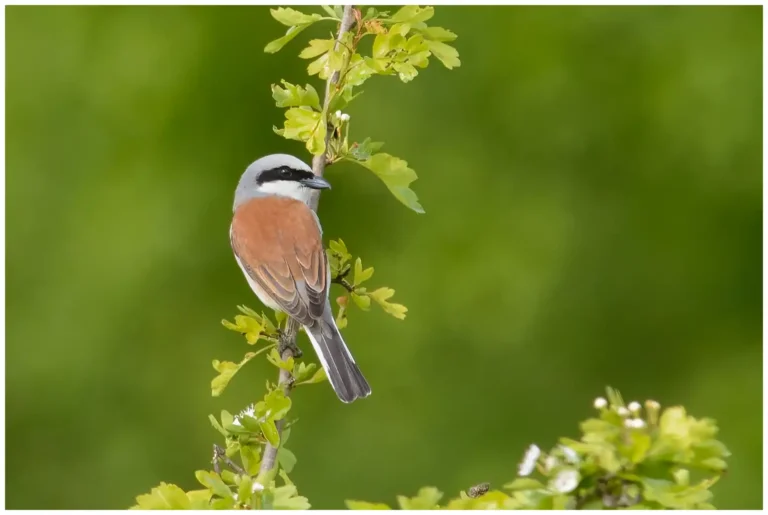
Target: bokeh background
(592,181)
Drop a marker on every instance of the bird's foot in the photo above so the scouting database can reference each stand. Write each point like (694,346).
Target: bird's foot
(286,343)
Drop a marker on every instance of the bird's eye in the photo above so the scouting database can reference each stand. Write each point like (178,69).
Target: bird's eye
(285,173)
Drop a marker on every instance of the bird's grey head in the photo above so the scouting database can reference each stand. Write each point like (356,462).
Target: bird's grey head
(278,174)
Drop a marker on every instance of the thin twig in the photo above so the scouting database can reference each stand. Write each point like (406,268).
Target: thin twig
(292,327)
(221,454)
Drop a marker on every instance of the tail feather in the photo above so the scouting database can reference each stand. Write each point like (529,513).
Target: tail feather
(342,371)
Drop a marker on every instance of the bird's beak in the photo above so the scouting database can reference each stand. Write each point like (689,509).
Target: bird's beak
(316,183)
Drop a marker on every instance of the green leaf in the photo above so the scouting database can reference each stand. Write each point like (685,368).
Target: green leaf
(426,499)
(361,275)
(438,34)
(319,67)
(163,497)
(216,425)
(317,47)
(405,71)
(317,377)
(413,14)
(289,17)
(303,371)
(213,481)
(274,358)
(363,150)
(286,459)
(270,432)
(246,325)
(316,143)
(244,489)
(396,175)
(249,455)
(199,499)
(524,483)
(295,96)
(364,505)
(227,371)
(329,11)
(275,45)
(287,498)
(274,406)
(381,295)
(340,248)
(358,72)
(381,45)
(447,55)
(300,123)
(363,301)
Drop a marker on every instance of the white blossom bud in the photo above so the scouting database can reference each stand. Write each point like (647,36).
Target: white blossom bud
(529,460)
(565,481)
(550,462)
(649,404)
(600,403)
(570,455)
(622,411)
(338,114)
(634,406)
(257,487)
(344,117)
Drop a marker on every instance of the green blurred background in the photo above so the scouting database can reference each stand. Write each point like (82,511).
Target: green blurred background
(592,181)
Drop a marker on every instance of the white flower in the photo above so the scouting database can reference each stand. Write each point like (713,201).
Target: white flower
(248,411)
(600,403)
(550,462)
(338,114)
(622,411)
(634,406)
(634,423)
(257,487)
(570,455)
(529,460)
(344,117)
(565,481)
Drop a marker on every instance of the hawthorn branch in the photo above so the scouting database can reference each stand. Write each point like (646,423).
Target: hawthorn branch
(285,380)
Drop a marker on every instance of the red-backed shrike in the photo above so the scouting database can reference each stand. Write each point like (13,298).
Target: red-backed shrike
(277,240)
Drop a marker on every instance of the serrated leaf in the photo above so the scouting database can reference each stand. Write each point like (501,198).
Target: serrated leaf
(340,248)
(217,426)
(214,482)
(286,459)
(303,371)
(397,176)
(364,505)
(447,55)
(316,142)
(381,295)
(276,44)
(290,17)
(426,499)
(250,456)
(317,47)
(329,11)
(362,301)
(413,14)
(269,430)
(163,497)
(300,123)
(405,71)
(199,499)
(274,358)
(361,275)
(227,371)
(291,95)
(438,34)
(286,497)
(274,406)
(317,377)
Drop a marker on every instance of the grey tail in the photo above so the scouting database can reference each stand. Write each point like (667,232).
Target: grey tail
(342,371)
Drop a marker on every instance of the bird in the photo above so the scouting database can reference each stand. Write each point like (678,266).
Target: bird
(277,241)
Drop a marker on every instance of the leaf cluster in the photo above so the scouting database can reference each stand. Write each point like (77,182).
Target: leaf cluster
(401,44)
(626,457)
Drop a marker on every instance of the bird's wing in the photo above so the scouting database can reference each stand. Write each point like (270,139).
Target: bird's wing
(278,243)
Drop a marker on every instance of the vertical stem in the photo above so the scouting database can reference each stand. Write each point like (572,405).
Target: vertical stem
(268,468)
